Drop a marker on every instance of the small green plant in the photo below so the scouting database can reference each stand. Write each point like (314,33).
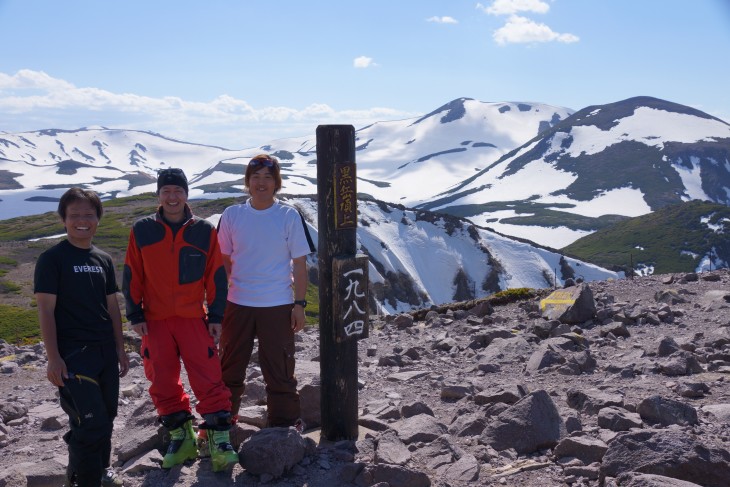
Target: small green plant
(7,287)
(512,295)
(5,264)
(18,325)
(7,261)
(312,312)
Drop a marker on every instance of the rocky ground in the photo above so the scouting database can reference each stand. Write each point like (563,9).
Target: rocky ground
(637,394)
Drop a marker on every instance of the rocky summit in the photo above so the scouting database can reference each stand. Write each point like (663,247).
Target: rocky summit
(629,386)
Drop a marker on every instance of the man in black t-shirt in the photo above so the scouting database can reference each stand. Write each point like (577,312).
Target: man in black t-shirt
(81,325)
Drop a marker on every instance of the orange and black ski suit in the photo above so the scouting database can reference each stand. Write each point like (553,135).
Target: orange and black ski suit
(176,283)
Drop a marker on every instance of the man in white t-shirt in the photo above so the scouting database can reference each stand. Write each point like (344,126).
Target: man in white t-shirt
(265,244)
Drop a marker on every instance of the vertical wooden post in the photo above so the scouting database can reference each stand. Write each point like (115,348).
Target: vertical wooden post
(337,239)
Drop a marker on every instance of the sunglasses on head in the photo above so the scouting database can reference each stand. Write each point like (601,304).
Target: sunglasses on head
(262,162)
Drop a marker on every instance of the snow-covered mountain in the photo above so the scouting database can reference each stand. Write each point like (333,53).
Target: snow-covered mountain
(405,161)
(528,170)
(626,158)
(420,258)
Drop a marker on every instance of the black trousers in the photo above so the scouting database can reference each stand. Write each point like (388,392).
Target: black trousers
(90,396)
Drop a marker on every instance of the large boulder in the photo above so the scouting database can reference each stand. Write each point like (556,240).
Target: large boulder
(570,305)
(670,452)
(533,423)
(664,411)
(274,451)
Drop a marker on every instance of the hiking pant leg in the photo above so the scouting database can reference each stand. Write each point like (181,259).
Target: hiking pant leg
(109,382)
(82,399)
(239,328)
(200,356)
(161,360)
(276,356)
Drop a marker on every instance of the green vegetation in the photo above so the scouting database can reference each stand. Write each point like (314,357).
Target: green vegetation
(5,264)
(27,227)
(512,295)
(18,325)
(540,214)
(312,311)
(7,287)
(672,239)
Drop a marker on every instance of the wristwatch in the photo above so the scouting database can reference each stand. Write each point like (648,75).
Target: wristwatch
(301,302)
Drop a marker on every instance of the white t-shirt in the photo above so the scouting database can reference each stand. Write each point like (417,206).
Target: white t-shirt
(262,244)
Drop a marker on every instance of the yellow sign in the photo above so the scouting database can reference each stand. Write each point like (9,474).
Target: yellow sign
(557,298)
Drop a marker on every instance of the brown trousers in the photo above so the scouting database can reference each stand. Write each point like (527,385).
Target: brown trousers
(272,327)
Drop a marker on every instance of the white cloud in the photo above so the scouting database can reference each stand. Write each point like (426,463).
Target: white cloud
(442,20)
(521,30)
(33,100)
(363,62)
(509,7)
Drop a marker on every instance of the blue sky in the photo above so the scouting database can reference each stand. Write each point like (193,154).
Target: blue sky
(240,73)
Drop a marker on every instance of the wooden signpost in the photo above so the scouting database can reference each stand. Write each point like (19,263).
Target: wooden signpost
(343,278)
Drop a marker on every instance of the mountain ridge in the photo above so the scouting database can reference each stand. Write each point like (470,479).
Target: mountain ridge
(632,154)
(528,170)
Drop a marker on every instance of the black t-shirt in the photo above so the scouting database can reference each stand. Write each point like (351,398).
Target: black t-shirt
(81,279)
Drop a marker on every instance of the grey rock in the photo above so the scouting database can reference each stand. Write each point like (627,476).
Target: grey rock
(531,424)
(664,411)
(592,400)
(669,296)
(42,474)
(507,395)
(454,392)
(13,478)
(467,425)
(719,411)
(9,367)
(692,389)
(407,376)
(144,462)
(588,450)
(390,449)
(618,419)
(667,346)
(273,451)
(11,410)
(669,452)
(371,422)
(403,321)
(421,427)
(310,397)
(50,414)
(142,432)
(632,479)
(681,363)
(504,350)
(590,472)
(415,408)
(483,339)
(465,469)
(570,305)
(391,476)
(615,328)
(544,357)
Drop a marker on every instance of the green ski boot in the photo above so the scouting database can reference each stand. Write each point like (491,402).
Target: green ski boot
(182,445)
(222,454)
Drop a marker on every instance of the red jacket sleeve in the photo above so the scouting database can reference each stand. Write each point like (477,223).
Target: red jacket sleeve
(133,281)
(216,281)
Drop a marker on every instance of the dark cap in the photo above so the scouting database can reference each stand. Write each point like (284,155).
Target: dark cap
(174,176)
